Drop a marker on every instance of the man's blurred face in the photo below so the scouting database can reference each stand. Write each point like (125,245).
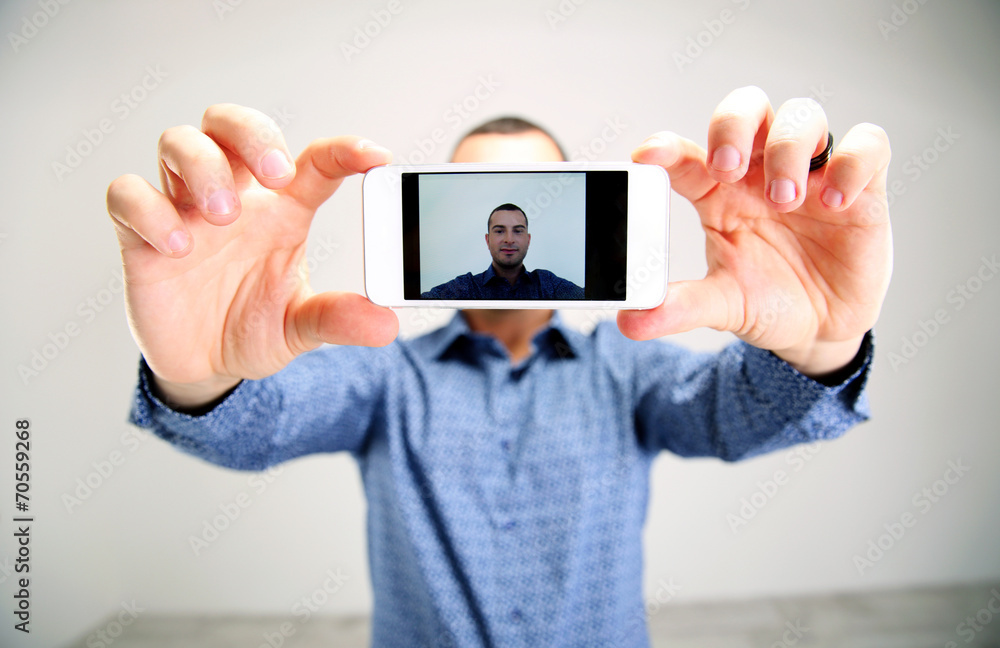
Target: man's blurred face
(530,146)
(508,238)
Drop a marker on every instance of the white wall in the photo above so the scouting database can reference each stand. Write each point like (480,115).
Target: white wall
(603,78)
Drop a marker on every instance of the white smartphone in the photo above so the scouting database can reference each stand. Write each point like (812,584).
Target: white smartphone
(533,235)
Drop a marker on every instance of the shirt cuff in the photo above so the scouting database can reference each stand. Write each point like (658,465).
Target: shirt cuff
(784,383)
(149,410)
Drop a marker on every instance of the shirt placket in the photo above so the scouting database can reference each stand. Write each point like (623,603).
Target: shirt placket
(510,409)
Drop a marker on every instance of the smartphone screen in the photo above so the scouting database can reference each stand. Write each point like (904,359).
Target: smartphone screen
(537,235)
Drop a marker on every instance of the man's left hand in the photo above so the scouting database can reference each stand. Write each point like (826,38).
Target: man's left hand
(798,261)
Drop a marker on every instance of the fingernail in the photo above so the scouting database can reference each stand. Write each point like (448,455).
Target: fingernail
(368,144)
(782,191)
(221,202)
(275,165)
(832,198)
(178,241)
(654,140)
(726,158)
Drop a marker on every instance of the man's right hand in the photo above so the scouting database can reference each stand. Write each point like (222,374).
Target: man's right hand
(215,282)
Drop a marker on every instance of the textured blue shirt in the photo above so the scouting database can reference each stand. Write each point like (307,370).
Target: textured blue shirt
(537,284)
(506,503)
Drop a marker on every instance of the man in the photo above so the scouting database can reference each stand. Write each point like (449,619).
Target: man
(505,457)
(507,238)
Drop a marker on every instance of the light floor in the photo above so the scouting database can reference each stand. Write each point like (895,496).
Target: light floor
(922,618)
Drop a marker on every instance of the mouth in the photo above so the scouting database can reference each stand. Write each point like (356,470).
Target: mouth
(508,250)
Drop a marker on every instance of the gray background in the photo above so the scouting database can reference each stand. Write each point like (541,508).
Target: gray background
(600,64)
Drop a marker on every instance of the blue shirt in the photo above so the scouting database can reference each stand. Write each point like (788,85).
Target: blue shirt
(506,503)
(537,284)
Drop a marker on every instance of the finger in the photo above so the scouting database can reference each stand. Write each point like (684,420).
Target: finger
(733,133)
(255,139)
(341,318)
(688,305)
(683,160)
(143,216)
(798,133)
(196,174)
(861,160)
(326,162)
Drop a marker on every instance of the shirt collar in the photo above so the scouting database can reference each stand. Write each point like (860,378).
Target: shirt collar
(557,338)
(485,277)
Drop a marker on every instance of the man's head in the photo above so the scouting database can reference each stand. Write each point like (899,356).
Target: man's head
(508,139)
(507,236)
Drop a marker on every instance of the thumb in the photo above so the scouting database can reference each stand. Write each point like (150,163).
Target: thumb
(340,318)
(688,305)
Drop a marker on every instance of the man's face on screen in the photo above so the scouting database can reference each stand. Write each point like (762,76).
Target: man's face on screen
(508,238)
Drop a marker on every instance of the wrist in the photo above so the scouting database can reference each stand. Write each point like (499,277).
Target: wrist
(822,359)
(196,397)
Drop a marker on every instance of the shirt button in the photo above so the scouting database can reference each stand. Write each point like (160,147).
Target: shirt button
(516,616)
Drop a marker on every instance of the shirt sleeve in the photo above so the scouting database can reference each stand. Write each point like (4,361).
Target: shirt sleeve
(457,288)
(323,401)
(742,401)
(552,286)
(568,290)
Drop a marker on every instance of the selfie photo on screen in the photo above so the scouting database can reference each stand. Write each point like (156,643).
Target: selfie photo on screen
(509,235)
(477,230)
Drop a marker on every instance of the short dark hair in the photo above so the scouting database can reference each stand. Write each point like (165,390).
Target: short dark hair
(510,125)
(506,207)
